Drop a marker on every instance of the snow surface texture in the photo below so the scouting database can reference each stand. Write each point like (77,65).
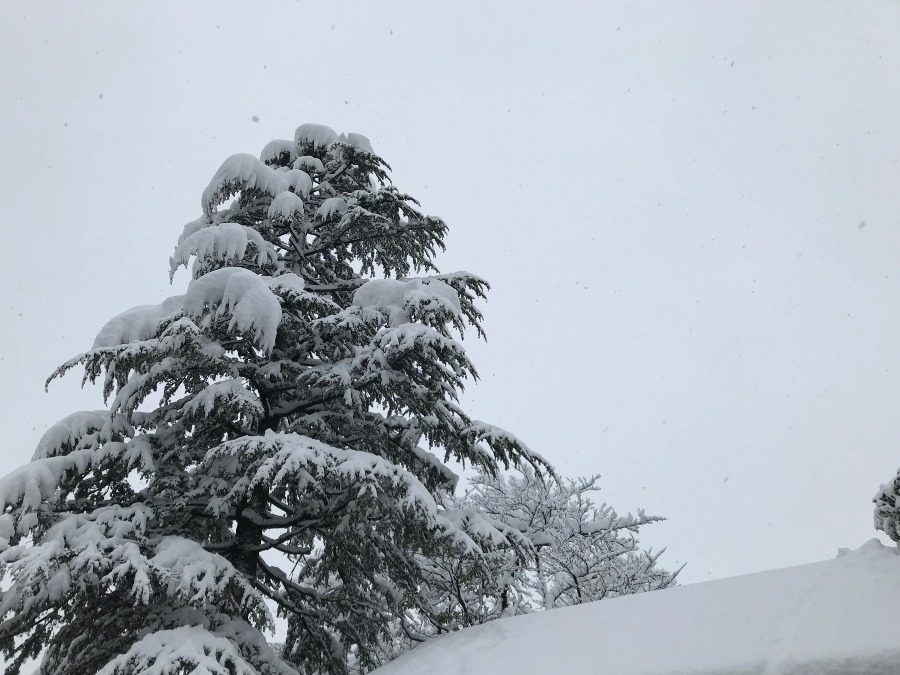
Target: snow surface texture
(828,618)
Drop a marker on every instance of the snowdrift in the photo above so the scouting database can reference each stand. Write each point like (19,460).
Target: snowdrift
(837,616)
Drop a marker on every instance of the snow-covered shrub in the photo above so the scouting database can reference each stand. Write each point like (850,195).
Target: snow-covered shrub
(887,508)
(583,551)
(574,551)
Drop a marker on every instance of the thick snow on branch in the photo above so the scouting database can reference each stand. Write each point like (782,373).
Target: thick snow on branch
(85,428)
(138,323)
(69,431)
(222,243)
(108,549)
(203,221)
(101,546)
(314,135)
(240,172)
(499,438)
(38,480)
(358,141)
(288,282)
(228,394)
(285,206)
(29,487)
(305,465)
(245,172)
(395,297)
(319,136)
(301,462)
(308,163)
(274,149)
(298,181)
(190,650)
(240,294)
(244,296)
(330,207)
(201,578)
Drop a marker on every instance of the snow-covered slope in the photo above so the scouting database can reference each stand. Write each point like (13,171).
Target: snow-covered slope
(839,616)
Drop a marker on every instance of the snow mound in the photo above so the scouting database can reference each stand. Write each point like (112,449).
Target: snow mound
(827,618)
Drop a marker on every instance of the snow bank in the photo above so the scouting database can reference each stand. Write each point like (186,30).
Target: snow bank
(826,618)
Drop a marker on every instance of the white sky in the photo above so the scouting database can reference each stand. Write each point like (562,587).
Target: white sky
(689,213)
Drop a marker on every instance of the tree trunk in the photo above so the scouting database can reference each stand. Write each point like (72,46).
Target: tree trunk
(248,534)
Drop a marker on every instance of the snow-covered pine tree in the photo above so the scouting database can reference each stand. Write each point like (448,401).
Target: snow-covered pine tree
(579,552)
(267,441)
(887,508)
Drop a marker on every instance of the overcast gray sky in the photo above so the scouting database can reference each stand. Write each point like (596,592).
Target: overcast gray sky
(689,213)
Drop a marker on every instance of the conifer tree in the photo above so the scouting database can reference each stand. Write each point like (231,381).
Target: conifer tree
(268,441)
(887,508)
